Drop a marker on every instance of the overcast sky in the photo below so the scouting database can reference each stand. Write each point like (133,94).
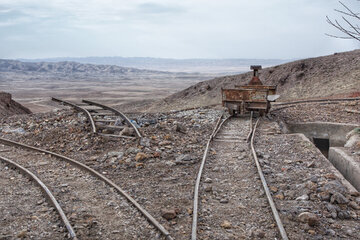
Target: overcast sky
(170,28)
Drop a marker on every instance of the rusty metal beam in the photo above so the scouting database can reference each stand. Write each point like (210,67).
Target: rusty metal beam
(265,186)
(218,125)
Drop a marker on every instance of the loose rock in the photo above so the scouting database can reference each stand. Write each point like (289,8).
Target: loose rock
(226,225)
(309,218)
(354,205)
(180,128)
(338,198)
(140,156)
(169,214)
(208,180)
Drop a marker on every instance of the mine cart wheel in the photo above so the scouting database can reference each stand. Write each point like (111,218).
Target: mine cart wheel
(231,112)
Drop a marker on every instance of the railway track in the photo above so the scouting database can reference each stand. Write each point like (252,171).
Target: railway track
(104,120)
(32,217)
(281,105)
(235,199)
(330,100)
(96,207)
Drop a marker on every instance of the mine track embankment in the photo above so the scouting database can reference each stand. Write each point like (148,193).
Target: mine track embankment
(231,195)
(96,206)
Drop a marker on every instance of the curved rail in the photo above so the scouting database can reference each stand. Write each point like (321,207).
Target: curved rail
(46,190)
(98,175)
(266,188)
(197,184)
(118,113)
(87,113)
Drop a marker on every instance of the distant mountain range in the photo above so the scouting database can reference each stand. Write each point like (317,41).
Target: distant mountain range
(219,66)
(66,67)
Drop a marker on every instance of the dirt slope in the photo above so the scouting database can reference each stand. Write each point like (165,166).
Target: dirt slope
(328,76)
(9,107)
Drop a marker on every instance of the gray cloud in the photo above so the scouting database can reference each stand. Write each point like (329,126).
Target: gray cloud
(162,28)
(155,8)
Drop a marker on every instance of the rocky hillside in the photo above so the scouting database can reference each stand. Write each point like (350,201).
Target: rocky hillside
(328,76)
(9,107)
(64,67)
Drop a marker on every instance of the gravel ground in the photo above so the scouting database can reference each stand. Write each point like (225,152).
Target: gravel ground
(312,201)
(24,211)
(233,204)
(340,112)
(95,210)
(160,171)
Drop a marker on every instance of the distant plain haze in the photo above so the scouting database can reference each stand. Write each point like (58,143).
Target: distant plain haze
(264,29)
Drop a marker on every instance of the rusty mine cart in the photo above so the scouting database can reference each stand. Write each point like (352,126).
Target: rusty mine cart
(252,97)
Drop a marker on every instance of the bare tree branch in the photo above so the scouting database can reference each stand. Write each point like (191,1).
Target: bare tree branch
(349,23)
(348,14)
(349,26)
(351,12)
(337,36)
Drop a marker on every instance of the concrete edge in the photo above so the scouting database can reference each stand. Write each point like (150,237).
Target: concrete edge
(346,165)
(328,164)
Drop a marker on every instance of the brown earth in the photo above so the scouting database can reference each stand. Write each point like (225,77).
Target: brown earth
(164,180)
(336,75)
(9,107)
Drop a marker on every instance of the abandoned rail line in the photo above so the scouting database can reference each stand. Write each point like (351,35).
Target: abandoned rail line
(330,100)
(282,105)
(226,165)
(48,195)
(90,199)
(102,117)
(227,149)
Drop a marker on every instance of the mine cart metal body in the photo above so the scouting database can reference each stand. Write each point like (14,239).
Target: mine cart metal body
(251,97)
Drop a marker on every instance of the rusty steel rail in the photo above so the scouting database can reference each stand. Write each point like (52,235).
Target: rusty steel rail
(316,100)
(98,175)
(251,127)
(47,192)
(265,186)
(250,137)
(80,109)
(118,113)
(218,125)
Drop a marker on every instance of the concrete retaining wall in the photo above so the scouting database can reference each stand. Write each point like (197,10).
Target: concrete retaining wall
(335,132)
(349,168)
(326,163)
